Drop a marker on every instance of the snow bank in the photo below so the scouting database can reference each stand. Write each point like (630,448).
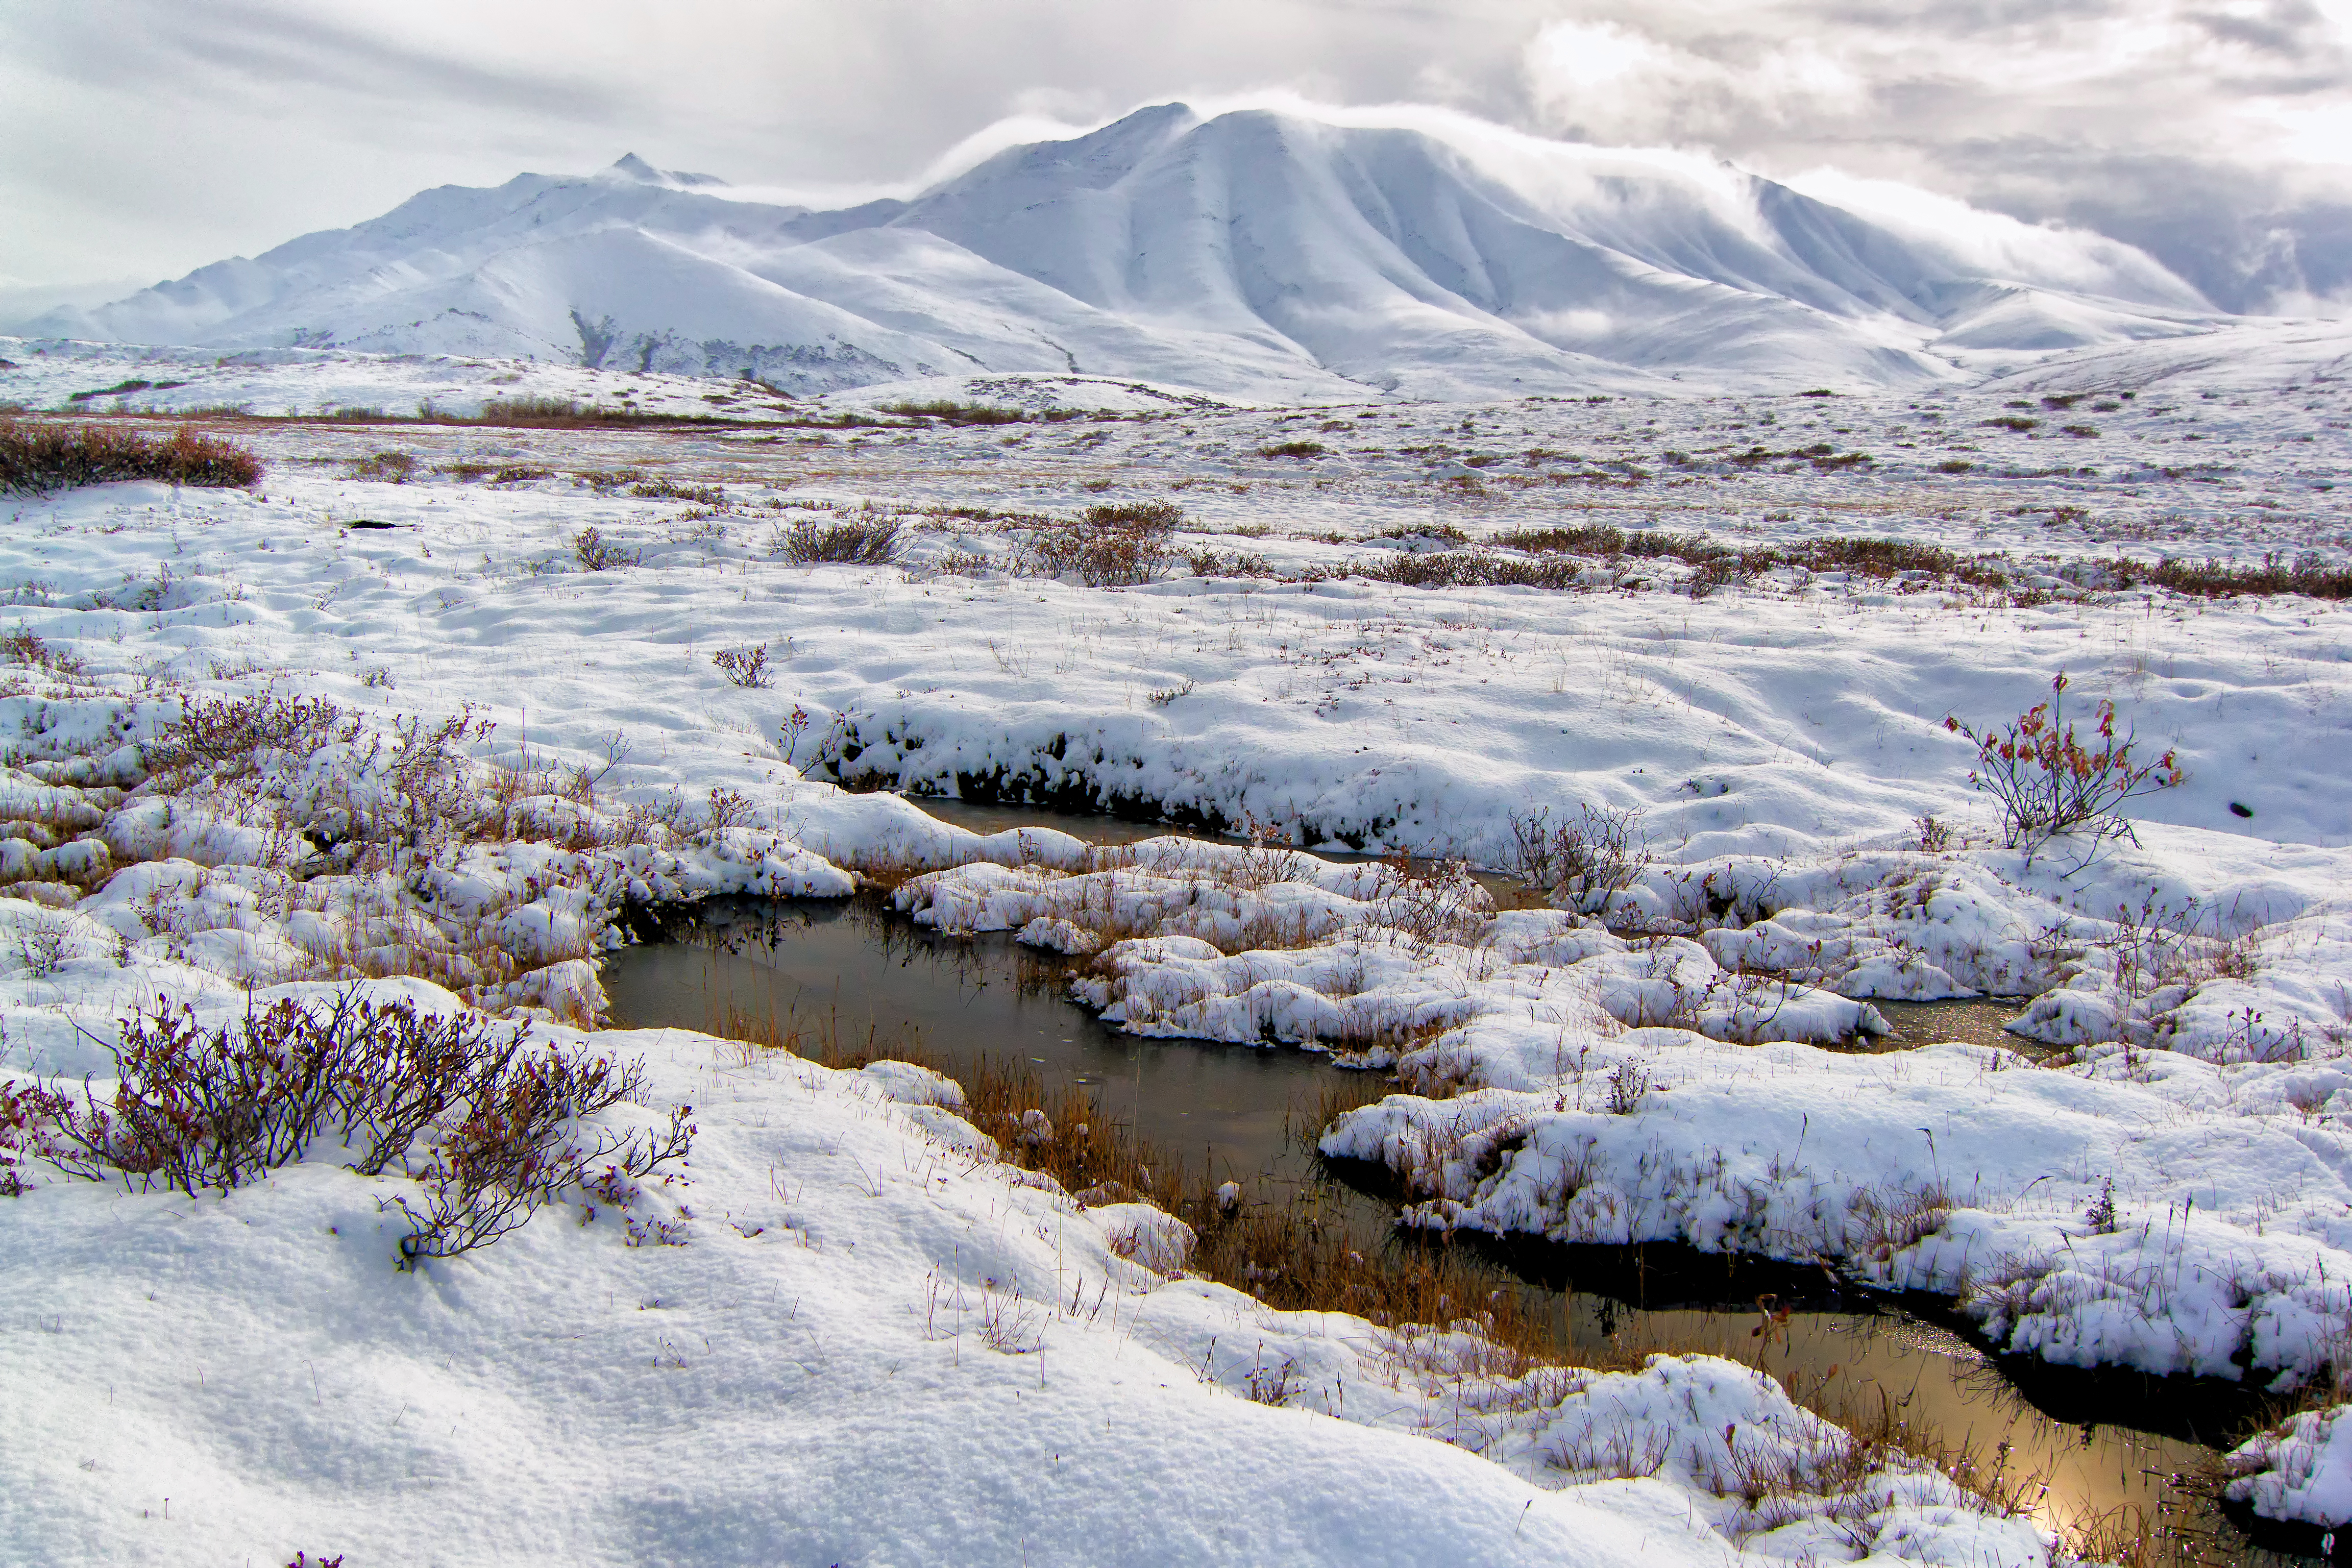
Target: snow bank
(2300,1471)
(941,1357)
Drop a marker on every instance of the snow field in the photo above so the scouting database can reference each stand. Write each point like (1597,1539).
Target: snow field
(1779,740)
(874,1344)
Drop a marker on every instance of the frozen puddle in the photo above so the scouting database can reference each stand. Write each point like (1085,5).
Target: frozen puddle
(854,967)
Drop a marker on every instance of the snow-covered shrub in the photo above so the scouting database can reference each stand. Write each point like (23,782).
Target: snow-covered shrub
(1430,903)
(40,456)
(2051,782)
(238,735)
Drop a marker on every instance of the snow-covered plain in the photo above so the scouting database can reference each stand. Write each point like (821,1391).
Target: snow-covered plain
(787,1372)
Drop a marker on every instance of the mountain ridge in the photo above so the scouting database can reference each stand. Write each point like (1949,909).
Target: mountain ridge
(1251,252)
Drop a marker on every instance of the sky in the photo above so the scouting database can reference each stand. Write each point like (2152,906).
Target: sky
(146,138)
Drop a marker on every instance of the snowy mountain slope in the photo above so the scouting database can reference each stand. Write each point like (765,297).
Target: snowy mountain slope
(2243,355)
(992,318)
(1253,251)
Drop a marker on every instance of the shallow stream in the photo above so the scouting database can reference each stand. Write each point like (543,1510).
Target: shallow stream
(2101,1442)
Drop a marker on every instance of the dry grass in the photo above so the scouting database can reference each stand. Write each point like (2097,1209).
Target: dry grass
(40,456)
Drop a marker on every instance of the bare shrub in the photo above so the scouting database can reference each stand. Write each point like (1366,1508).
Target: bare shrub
(670,490)
(728,808)
(44,944)
(745,666)
(38,457)
(854,541)
(391,467)
(2051,782)
(1629,1084)
(21,646)
(1430,903)
(514,1152)
(212,733)
(1108,546)
(197,1109)
(1586,862)
(596,553)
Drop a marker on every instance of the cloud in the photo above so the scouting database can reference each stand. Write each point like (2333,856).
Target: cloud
(1606,82)
(2220,135)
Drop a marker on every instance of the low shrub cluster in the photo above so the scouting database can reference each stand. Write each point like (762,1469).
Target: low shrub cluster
(2307,574)
(1476,569)
(388,467)
(1867,557)
(949,412)
(858,541)
(40,456)
(1114,544)
(597,554)
(488,1127)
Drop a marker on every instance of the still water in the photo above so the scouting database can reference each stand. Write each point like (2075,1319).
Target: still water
(2101,1442)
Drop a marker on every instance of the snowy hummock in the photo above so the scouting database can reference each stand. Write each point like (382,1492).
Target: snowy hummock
(2300,1471)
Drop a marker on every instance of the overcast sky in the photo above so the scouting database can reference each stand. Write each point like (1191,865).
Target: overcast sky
(145,138)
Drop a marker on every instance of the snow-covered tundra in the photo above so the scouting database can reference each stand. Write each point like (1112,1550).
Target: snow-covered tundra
(430,707)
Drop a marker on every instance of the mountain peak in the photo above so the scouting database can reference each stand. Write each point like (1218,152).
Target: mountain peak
(629,167)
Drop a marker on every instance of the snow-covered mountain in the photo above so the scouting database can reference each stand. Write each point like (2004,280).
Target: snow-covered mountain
(1256,253)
